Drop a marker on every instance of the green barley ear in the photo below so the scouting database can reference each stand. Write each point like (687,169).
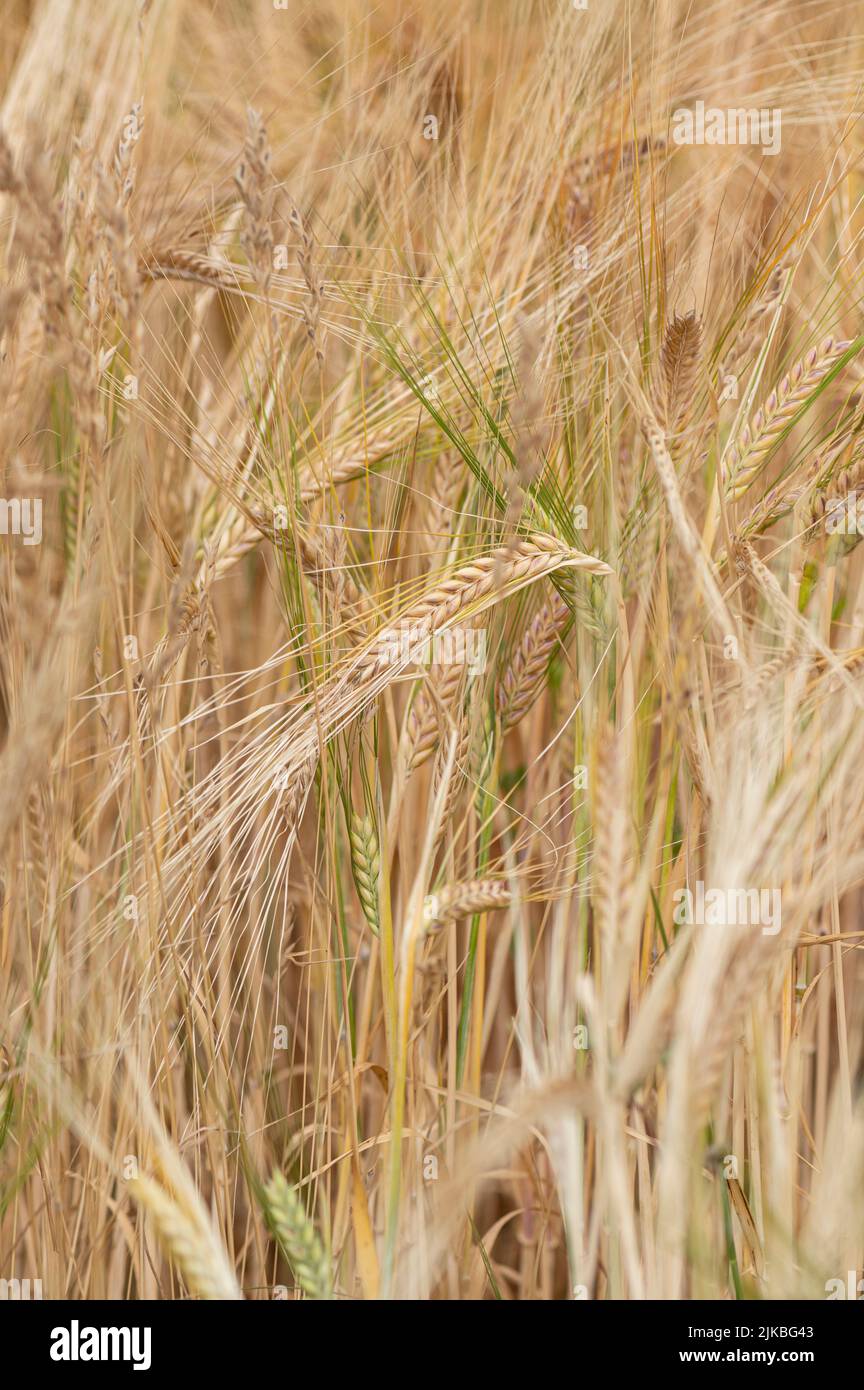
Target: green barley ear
(297,1238)
(366,865)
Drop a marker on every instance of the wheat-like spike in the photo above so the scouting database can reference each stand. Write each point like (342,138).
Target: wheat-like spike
(528,422)
(350,462)
(297,785)
(421,731)
(446,491)
(460,900)
(483,750)
(7,1059)
(852,662)
(189,1240)
(504,569)
(697,755)
(306,258)
(829,496)
(771,587)
(759,437)
(298,1238)
(71,503)
(765,675)
(849,477)
(170,263)
(457,771)
(679,366)
(613,868)
(124,169)
(321,555)
(366,864)
(423,724)
(685,531)
(255,185)
(525,676)
(805,485)
(774,505)
(752,327)
(613,159)
(40,846)
(143,695)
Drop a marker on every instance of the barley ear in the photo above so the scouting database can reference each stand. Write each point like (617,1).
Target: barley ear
(679,366)
(189,1239)
(297,1238)
(460,900)
(366,864)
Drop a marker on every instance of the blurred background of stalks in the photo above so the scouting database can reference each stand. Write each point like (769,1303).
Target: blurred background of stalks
(328,972)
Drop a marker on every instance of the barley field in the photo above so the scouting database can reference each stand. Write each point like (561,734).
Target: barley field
(431,649)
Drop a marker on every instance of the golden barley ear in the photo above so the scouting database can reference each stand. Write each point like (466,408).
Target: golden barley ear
(757,439)
(187,1236)
(297,1237)
(460,900)
(173,263)
(427,714)
(680,356)
(613,873)
(525,677)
